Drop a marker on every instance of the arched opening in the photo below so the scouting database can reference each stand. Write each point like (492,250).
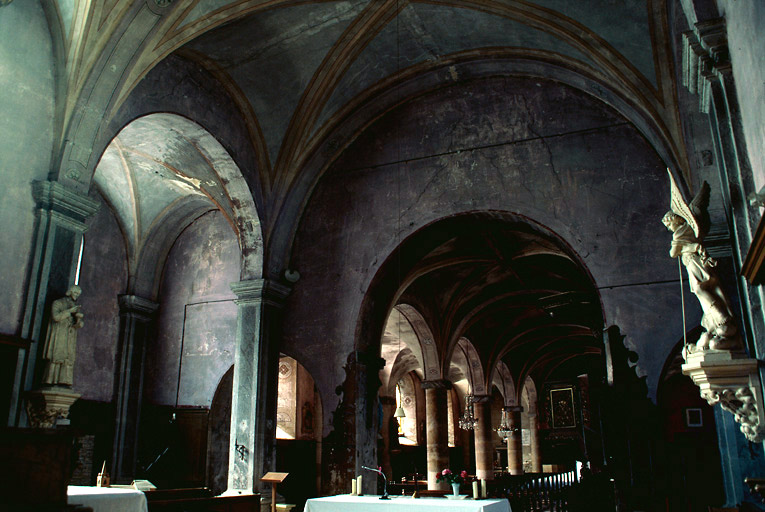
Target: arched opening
(464,275)
(298,432)
(179,221)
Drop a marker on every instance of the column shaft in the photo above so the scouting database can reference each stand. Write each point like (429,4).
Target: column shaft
(436,430)
(484,446)
(536,452)
(253,410)
(515,442)
(136,331)
(387,428)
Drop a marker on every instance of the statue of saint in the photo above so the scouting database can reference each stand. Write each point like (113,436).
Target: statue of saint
(689,224)
(61,339)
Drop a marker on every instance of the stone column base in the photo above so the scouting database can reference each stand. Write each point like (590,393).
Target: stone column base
(48,406)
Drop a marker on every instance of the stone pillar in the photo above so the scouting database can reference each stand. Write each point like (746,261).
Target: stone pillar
(368,383)
(710,59)
(61,216)
(515,441)
(256,359)
(536,452)
(136,330)
(436,416)
(388,424)
(484,445)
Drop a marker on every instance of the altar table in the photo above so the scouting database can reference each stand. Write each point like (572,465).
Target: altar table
(107,499)
(348,503)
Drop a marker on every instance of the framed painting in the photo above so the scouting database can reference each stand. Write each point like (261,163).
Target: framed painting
(562,407)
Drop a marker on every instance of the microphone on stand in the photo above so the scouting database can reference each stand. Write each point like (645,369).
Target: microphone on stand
(385,482)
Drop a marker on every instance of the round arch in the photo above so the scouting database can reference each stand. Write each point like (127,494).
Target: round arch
(160,173)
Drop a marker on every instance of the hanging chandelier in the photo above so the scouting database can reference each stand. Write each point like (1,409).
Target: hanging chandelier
(504,429)
(468,421)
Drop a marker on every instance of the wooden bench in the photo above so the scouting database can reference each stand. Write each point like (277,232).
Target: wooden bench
(199,499)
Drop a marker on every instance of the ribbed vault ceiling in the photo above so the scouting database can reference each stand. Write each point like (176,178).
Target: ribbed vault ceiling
(517,295)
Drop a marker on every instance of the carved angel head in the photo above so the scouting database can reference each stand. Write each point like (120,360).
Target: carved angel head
(672,221)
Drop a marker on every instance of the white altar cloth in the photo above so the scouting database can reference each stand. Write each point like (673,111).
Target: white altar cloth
(348,503)
(107,499)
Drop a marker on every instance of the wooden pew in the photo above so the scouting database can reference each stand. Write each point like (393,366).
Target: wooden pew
(199,499)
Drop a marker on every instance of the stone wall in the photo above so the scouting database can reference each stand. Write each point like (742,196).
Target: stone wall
(535,148)
(197,319)
(746,22)
(27,85)
(103,277)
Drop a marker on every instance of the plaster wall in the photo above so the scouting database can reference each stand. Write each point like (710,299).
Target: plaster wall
(27,83)
(746,22)
(103,277)
(287,400)
(178,85)
(535,148)
(197,319)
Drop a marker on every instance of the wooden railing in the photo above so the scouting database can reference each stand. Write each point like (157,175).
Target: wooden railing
(538,491)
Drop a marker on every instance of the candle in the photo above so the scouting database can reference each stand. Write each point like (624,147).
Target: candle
(353,487)
(358,486)
(475,489)
(483,487)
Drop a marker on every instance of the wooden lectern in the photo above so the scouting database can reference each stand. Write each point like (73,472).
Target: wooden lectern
(274,478)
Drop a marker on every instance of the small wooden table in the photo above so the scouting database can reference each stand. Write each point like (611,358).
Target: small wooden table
(274,478)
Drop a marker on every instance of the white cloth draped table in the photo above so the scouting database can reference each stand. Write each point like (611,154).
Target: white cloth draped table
(107,499)
(348,503)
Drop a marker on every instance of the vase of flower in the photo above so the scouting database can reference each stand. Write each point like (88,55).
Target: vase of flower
(451,478)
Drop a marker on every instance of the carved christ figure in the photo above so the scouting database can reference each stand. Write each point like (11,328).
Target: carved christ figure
(61,339)
(689,224)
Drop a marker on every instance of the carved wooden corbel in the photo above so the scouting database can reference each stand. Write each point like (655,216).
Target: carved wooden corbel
(732,380)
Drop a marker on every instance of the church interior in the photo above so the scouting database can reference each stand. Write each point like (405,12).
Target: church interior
(315,236)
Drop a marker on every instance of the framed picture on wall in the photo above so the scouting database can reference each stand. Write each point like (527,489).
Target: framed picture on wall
(693,417)
(562,407)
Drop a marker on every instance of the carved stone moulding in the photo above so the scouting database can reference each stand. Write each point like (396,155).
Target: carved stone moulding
(731,380)
(46,406)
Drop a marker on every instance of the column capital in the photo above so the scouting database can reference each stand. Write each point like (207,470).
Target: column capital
(513,408)
(70,207)
(481,399)
(437,384)
(138,306)
(250,291)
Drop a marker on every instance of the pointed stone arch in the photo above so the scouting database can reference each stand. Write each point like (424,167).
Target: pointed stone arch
(503,380)
(466,358)
(529,397)
(428,350)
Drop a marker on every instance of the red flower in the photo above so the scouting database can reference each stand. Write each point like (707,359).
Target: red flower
(450,477)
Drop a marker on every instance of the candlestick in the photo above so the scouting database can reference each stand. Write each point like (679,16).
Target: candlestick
(475,489)
(353,488)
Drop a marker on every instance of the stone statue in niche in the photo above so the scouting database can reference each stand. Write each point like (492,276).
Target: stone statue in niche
(61,339)
(689,224)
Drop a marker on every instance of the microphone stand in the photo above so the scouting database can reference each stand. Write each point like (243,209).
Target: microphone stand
(385,482)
